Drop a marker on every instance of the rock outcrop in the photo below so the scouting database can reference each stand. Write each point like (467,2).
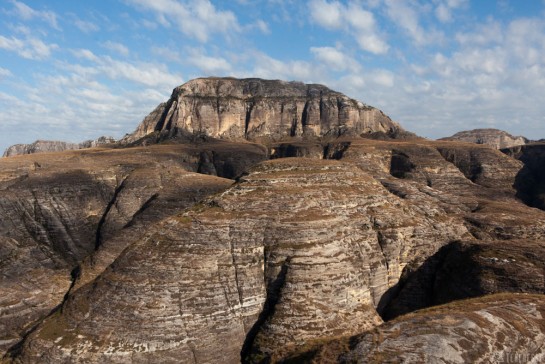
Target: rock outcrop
(67,216)
(47,146)
(261,110)
(498,139)
(321,245)
(506,328)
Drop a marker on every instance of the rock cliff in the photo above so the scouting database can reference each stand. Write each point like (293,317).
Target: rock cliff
(256,109)
(209,247)
(498,139)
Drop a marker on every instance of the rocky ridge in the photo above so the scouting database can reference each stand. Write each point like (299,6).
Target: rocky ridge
(303,248)
(47,146)
(498,139)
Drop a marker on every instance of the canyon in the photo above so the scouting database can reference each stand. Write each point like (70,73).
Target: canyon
(269,221)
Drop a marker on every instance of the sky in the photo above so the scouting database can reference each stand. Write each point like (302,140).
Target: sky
(77,70)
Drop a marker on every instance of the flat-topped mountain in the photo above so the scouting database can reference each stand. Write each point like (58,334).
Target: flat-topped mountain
(496,138)
(256,109)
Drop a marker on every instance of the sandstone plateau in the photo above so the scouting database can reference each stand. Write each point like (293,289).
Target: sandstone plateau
(263,221)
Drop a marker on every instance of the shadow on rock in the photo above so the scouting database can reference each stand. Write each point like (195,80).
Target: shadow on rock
(469,269)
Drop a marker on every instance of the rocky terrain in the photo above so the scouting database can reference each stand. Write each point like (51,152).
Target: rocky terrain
(345,241)
(47,146)
(261,110)
(498,139)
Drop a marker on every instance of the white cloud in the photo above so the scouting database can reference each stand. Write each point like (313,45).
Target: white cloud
(265,66)
(262,26)
(406,16)
(208,65)
(116,47)
(166,53)
(30,48)
(444,9)
(326,14)
(352,18)
(85,54)
(27,13)
(86,26)
(196,18)
(148,74)
(382,78)
(5,73)
(78,102)
(493,79)
(335,59)
(485,34)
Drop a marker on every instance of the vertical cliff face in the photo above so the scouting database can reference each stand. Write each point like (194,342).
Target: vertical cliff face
(256,109)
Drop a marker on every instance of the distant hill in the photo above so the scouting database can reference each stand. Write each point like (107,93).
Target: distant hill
(47,146)
(496,138)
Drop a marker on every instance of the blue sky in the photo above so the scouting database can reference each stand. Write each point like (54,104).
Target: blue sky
(76,70)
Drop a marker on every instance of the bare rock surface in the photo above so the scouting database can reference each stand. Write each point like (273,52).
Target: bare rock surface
(48,146)
(305,266)
(257,109)
(269,221)
(503,328)
(66,216)
(495,138)
(511,266)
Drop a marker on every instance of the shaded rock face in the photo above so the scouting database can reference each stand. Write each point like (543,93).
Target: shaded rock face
(256,109)
(497,139)
(530,181)
(47,146)
(493,267)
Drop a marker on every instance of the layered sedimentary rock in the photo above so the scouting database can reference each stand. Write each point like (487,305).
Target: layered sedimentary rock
(202,250)
(512,266)
(497,139)
(67,216)
(313,263)
(506,328)
(256,109)
(260,265)
(47,146)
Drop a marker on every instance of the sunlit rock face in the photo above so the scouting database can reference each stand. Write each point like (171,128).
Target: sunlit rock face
(500,328)
(495,138)
(256,109)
